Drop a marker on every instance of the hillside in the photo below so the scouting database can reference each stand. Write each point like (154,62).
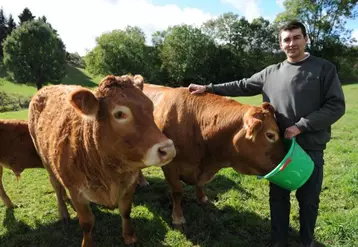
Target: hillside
(15,96)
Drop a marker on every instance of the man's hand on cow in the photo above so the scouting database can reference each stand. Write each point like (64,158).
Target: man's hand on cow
(291,132)
(196,89)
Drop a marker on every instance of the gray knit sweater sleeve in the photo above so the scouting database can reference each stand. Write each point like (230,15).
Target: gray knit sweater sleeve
(333,106)
(245,87)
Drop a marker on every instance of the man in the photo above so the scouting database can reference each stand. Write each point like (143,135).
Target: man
(308,98)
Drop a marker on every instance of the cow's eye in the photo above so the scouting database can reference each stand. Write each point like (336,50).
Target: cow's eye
(271,136)
(120,115)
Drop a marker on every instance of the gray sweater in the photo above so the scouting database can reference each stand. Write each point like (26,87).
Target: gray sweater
(307,94)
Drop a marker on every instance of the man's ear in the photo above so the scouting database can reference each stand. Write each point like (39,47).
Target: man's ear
(84,101)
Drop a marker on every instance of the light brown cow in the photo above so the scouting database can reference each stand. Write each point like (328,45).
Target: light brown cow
(211,132)
(17,152)
(95,144)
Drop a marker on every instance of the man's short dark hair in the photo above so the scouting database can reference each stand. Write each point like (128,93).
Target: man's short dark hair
(293,25)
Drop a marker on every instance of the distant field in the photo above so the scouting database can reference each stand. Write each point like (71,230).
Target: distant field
(14,115)
(76,76)
(14,88)
(238,217)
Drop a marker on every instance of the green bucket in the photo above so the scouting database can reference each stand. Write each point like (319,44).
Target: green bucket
(294,170)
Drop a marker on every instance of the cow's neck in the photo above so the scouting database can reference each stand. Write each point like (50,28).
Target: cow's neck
(221,118)
(95,165)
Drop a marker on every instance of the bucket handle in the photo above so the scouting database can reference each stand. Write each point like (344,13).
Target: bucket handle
(286,164)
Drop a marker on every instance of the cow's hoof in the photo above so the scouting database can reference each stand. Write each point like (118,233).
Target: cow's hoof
(203,200)
(65,222)
(130,240)
(180,227)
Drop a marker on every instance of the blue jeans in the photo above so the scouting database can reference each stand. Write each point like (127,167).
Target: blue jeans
(308,198)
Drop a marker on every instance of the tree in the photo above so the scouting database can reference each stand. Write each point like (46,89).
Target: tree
(11,25)
(187,54)
(324,19)
(244,47)
(26,15)
(222,28)
(118,52)
(3,30)
(34,53)
(75,59)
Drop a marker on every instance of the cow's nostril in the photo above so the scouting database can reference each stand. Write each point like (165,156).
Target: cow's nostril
(162,152)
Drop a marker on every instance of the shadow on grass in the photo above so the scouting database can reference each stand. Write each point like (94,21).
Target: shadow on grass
(207,226)
(76,77)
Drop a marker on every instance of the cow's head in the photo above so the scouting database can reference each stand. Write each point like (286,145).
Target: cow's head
(123,122)
(257,145)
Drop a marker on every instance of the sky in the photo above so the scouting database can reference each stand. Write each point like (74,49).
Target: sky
(79,22)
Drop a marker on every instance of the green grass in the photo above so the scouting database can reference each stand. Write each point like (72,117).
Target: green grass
(16,88)
(14,115)
(74,76)
(238,215)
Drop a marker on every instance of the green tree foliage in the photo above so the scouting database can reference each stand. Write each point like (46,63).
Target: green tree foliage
(187,54)
(11,25)
(34,53)
(75,59)
(118,52)
(26,15)
(3,30)
(244,47)
(222,29)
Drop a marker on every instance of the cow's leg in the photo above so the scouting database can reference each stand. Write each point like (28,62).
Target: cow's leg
(142,182)
(60,193)
(3,194)
(125,207)
(85,217)
(177,194)
(203,179)
(66,198)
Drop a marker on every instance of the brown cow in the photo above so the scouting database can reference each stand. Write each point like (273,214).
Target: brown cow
(17,152)
(95,144)
(211,132)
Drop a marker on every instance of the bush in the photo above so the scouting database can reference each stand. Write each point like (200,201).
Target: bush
(13,102)
(75,60)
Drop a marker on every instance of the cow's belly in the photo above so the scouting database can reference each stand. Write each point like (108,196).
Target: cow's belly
(102,196)
(194,175)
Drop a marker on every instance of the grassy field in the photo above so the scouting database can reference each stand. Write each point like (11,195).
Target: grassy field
(74,76)
(238,215)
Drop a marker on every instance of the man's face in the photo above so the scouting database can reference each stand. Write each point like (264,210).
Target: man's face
(293,44)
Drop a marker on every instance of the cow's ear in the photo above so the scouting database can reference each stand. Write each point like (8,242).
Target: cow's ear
(252,126)
(138,81)
(267,106)
(84,102)
(238,139)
